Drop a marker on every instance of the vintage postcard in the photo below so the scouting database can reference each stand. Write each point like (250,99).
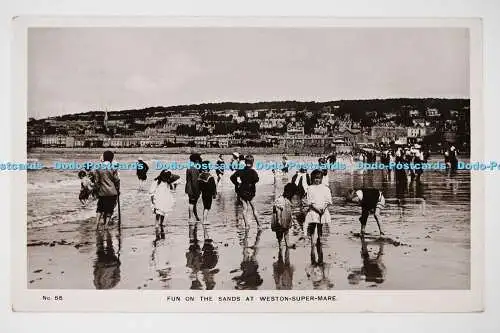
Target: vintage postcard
(247,165)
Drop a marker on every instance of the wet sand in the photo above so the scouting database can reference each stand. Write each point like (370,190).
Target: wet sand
(421,249)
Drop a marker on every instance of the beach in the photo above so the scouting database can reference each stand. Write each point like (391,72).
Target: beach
(425,246)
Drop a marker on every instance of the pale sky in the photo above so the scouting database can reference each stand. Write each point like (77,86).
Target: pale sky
(72,70)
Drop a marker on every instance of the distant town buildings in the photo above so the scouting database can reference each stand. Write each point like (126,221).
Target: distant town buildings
(333,126)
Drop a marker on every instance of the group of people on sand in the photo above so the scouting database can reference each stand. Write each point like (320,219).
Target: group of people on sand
(315,196)
(312,189)
(103,185)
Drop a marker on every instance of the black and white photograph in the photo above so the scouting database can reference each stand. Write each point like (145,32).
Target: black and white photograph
(249,158)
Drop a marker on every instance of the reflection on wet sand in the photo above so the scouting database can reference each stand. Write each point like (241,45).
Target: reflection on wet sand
(193,261)
(283,271)
(373,269)
(202,260)
(318,270)
(160,260)
(107,262)
(249,268)
(163,272)
(210,258)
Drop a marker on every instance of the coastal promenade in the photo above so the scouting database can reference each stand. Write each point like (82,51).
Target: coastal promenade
(186,150)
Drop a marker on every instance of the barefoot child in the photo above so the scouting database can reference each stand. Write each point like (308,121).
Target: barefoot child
(86,187)
(161,197)
(318,198)
(193,191)
(107,182)
(371,201)
(302,181)
(282,214)
(208,189)
(220,168)
(142,173)
(245,188)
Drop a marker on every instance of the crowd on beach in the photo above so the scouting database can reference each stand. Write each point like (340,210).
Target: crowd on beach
(310,191)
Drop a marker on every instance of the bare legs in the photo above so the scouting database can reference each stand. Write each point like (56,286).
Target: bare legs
(378,223)
(315,233)
(364,218)
(159,219)
(204,223)
(104,218)
(192,210)
(246,205)
(245,210)
(283,235)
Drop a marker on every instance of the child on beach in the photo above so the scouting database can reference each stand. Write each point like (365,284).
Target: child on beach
(91,175)
(192,189)
(318,198)
(245,188)
(86,187)
(282,214)
(142,173)
(220,171)
(241,162)
(208,189)
(371,201)
(161,197)
(107,182)
(302,181)
(324,170)
(284,170)
(234,161)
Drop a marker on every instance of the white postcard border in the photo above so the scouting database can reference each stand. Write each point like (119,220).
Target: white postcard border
(24,299)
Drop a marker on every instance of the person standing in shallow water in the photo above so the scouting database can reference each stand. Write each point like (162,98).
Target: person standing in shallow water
(284,169)
(86,187)
(108,189)
(220,168)
(234,161)
(161,197)
(192,189)
(282,215)
(208,189)
(142,173)
(318,198)
(245,188)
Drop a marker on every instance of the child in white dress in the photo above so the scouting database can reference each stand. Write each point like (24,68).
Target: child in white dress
(318,198)
(161,196)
